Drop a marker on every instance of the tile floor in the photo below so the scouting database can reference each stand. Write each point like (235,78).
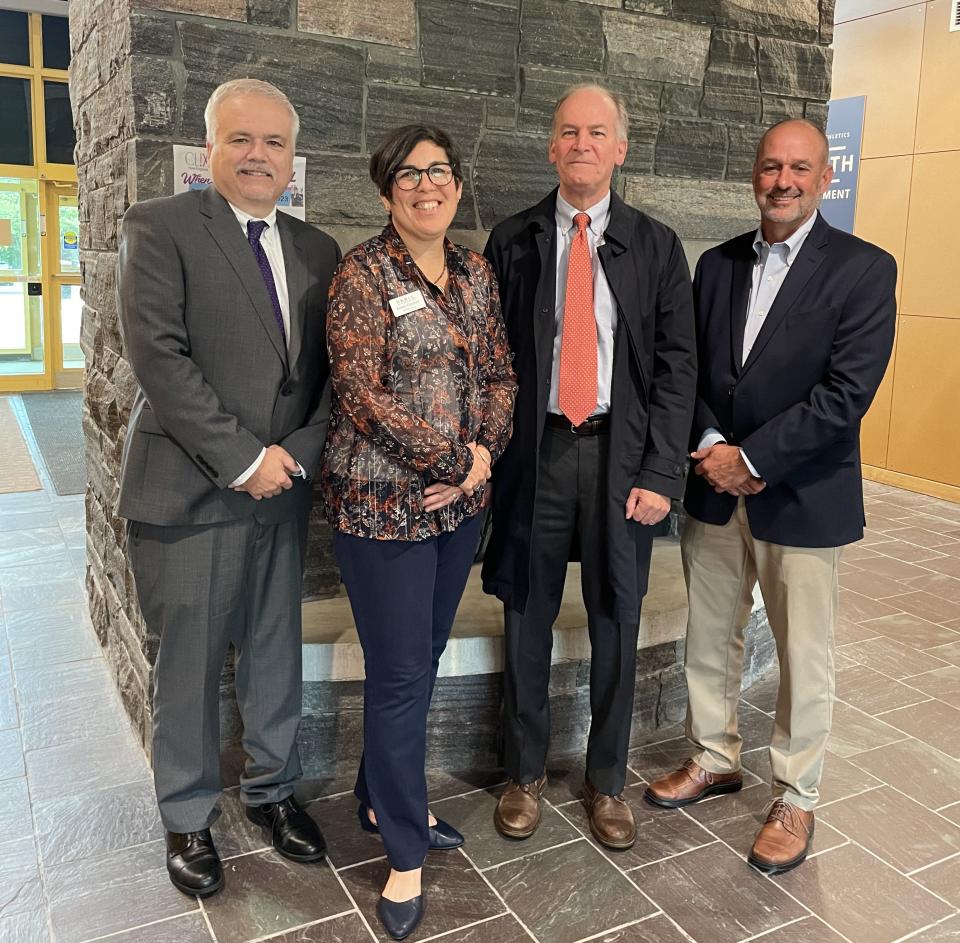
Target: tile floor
(81,851)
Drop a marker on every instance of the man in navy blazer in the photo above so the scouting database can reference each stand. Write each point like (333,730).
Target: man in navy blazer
(795,325)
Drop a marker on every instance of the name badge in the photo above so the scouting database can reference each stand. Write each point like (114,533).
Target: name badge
(412,301)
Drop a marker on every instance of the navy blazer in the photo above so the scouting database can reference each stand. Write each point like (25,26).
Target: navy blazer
(795,405)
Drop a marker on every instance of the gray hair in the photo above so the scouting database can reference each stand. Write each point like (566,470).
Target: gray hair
(615,99)
(237,87)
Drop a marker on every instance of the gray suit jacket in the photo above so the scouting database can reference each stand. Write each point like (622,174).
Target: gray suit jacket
(215,384)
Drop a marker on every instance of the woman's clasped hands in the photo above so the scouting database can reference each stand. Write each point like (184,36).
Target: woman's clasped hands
(440,494)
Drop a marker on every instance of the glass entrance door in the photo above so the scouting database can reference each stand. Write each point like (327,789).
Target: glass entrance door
(63,226)
(22,360)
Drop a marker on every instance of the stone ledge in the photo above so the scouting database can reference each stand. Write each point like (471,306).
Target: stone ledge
(332,651)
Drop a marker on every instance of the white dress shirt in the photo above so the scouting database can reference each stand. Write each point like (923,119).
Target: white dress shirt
(604,307)
(270,240)
(770,269)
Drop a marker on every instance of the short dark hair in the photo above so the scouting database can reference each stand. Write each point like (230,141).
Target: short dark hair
(398,143)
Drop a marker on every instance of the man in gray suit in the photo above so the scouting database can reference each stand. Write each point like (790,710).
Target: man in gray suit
(222,304)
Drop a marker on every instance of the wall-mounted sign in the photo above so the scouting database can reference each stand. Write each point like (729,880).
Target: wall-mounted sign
(190,172)
(844,132)
(70,239)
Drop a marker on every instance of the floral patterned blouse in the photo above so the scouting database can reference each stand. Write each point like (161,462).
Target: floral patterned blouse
(411,388)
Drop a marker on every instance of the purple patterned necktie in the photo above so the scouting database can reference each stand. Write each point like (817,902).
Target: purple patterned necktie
(255,228)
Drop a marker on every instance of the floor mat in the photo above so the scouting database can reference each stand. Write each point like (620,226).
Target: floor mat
(17,471)
(57,423)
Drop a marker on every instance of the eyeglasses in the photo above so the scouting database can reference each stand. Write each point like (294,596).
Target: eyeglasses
(408,178)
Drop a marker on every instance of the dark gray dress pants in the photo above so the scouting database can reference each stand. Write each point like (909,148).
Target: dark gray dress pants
(201,590)
(570,507)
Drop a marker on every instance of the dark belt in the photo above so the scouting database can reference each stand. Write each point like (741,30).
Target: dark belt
(593,426)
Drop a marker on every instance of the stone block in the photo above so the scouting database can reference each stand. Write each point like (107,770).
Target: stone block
(340,191)
(511,173)
(219,9)
(827,11)
(730,106)
(794,69)
(469,45)
(777,109)
(154,87)
(154,170)
(152,35)
(681,99)
(500,114)
(394,65)
(392,22)
(328,100)
(105,119)
(799,20)
(561,35)
(277,13)
(459,114)
(743,150)
(539,90)
(688,147)
(709,210)
(733,61)
(321,577)
(656,49)
(656,7)
(642,144)
(817,113)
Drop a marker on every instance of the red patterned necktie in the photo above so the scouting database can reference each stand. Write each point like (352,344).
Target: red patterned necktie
(578,343)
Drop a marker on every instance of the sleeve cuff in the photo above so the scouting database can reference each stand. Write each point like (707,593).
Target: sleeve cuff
(749,464)
(710,437)
(240,479)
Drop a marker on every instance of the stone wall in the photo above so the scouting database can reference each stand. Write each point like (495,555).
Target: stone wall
(702,77)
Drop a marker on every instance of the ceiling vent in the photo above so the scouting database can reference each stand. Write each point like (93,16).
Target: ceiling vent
(954,15)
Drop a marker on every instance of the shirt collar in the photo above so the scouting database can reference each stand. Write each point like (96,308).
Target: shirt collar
(599,215)
(792,242)
(270,219)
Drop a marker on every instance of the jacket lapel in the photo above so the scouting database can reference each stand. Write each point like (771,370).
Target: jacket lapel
(809,259)
(542,226)
(625,278)
(296,265)
(227,233)
(743,262)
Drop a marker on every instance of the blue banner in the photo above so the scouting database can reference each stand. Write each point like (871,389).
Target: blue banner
(844,132)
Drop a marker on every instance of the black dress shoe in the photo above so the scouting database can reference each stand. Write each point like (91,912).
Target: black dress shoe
(400,918)
(294,834)
(442,836)
(193,863)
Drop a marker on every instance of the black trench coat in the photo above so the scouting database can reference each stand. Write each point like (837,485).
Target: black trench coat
(653,389)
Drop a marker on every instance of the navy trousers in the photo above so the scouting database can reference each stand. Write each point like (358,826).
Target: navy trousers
(404,596)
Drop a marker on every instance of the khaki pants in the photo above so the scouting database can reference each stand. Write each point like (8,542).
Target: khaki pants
(799,586)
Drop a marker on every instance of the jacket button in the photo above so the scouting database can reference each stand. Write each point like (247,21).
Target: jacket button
(286,389)
(731,391)
(544,310)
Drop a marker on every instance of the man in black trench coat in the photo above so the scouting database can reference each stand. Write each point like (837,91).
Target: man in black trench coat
(597,302)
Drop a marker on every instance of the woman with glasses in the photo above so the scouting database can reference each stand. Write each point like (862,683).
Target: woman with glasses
(422,406)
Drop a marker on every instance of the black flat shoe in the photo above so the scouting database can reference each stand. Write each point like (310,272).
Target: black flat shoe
(400,918)
(294,834)
(193,863)
(443,836)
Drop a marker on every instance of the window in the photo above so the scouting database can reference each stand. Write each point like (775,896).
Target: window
(14,38)
(59,123)
(16,121)
(56,42)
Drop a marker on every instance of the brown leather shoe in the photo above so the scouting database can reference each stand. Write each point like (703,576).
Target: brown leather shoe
(784,840)
(690,784)
(611,819)
(518,812)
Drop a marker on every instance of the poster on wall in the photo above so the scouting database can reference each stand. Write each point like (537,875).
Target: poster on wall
(844,132)
(190,172)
